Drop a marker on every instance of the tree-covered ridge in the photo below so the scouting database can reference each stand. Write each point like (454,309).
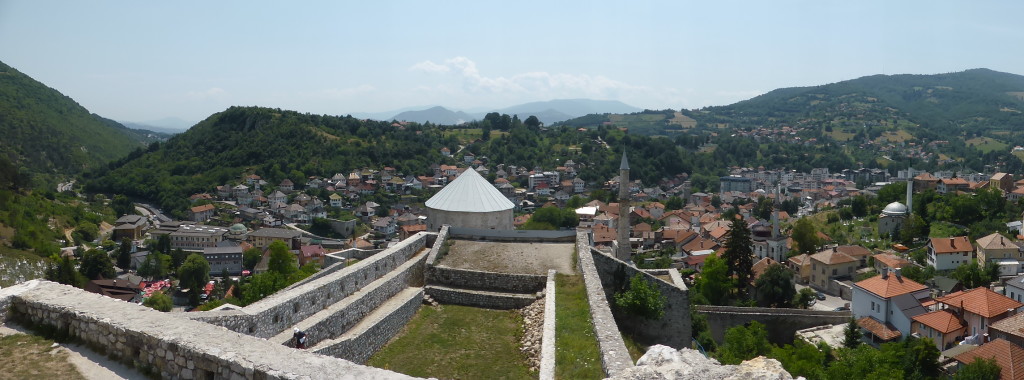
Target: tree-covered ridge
(276,144)
(46,132)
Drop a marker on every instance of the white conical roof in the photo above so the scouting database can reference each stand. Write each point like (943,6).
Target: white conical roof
(469,193)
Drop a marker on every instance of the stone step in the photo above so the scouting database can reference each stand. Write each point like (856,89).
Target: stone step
(375,330)
(337,318)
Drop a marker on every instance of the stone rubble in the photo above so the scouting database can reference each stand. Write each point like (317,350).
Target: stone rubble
(533,332)
(664,363)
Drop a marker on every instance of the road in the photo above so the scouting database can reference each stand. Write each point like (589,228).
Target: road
(830,303)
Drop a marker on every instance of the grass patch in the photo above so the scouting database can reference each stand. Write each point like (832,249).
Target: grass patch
(987,144)
(31,357)
(458,342)
(577,355)
(635,349)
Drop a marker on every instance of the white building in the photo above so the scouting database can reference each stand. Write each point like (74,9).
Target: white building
(469,201)
(886,304)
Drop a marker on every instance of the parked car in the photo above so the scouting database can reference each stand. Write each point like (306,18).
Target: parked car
(841,308)
(820,296)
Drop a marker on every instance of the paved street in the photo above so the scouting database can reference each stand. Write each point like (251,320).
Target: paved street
(829,304)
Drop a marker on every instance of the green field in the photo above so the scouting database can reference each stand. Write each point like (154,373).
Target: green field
(987,144)
(458,342)
(577,355)
(468,135)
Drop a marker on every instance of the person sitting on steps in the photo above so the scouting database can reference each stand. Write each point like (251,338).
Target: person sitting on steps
(300,338)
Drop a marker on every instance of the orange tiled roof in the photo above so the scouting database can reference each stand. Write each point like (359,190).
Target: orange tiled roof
(951,244)
(943,321)
(832,256)
(206,207)
(762,265)
(890,287)
(995,241)
(700,245)
(883,331)
(891,260)
(981,301)
(1009,356)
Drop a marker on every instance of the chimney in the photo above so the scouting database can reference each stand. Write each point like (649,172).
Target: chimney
(952,242)
(885,275)
(898,272)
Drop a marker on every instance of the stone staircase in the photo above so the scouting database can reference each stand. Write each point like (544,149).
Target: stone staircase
(489,299)
(371,304)
(375,330)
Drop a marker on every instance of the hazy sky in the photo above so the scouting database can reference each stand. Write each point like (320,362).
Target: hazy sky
(146,60)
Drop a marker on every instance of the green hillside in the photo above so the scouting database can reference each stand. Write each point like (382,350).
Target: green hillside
(276,144)
(48,133)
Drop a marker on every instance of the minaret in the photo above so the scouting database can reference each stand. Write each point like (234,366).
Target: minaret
(775,212)
(624,251)
(910,196)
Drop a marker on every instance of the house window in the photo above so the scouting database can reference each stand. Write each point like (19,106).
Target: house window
(835,272)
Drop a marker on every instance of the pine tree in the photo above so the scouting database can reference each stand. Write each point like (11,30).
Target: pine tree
(739,254)
(124,255)
(852,334)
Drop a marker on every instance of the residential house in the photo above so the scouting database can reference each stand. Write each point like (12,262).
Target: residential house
(286,186)
(277,198)
(446,152)
(949,253)
(952,185)
(831,263)
(1015,288)
(578,185)
(888,261)
(884,305)
(1009,328)
(123,290)
(224,258)
(1003,251)
(385,226)
(239,190)
(1002,181)
(201,213)
(407,231)
(979,307)
(312,254)
(1008,356)
(262,238)
(335,200)
(130,227)
(943,327)
(801,266)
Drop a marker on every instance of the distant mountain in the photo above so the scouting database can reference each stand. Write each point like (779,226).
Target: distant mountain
(549,112)
(563,109)
(149,128)
(46,132)
(168,125)
(436,115)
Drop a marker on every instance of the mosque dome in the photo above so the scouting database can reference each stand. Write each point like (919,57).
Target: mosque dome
(895,209)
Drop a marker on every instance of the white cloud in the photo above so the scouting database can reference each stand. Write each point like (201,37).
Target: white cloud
(429,67)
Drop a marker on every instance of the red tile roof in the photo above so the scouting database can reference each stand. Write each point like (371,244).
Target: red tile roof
(891,286)
(883,331)
(1009,356)
(762,265)
(832,256)
(951,245)
(198,209)
(943,321)
(891,260)
(981,301)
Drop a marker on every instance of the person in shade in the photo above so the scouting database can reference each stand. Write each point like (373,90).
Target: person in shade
(300,338)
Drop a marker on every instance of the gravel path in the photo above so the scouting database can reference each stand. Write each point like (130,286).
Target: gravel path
(527,258)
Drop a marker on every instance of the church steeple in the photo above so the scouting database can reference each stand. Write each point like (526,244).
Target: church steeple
(625,163)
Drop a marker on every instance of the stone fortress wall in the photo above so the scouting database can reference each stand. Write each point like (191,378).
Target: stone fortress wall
(781,324)
(166,344)
(348,312)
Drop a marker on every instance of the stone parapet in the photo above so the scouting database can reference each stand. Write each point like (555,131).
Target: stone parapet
(482,280)
(168,345)
(479,298)
(614,356)
(547,348)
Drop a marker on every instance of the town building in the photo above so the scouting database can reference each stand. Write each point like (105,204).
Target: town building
(949,253)
(469,201)
(884,305)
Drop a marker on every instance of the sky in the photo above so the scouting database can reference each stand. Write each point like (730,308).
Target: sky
(147,60)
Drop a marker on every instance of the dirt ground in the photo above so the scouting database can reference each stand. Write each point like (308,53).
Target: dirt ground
(526,258)
(89,364)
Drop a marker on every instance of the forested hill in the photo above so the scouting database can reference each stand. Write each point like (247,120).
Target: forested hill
(274,143)
(978,98)
(926,106)
(45,132)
